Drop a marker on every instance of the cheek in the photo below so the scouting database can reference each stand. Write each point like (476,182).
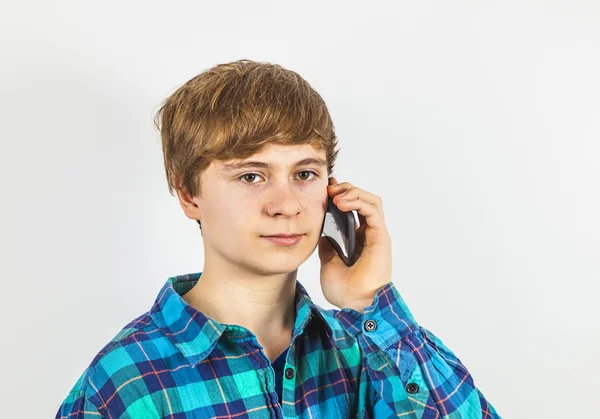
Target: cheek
(227,211)
(317,211)
(318,205)
(235,213)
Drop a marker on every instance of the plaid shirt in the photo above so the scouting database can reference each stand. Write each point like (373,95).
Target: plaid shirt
(175,362)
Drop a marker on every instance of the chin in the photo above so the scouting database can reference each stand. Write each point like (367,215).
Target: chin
(282,260)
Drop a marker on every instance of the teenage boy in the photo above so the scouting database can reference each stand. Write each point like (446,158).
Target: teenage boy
(249,148)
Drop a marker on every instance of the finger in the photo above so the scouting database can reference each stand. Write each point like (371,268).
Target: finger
(373,218)
(333,190)
(325,250)
(357,193)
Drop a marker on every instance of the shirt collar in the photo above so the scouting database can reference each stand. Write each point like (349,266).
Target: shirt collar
(196,334)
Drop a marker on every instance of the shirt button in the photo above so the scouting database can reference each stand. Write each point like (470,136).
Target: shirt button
(412,388)
(289,373)
(370,325)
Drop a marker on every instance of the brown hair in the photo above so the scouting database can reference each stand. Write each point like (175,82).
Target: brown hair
(232,110)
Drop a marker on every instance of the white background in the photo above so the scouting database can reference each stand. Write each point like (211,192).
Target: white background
(478,123)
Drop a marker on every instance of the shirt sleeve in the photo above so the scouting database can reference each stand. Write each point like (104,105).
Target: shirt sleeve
(406,368)
(77,406)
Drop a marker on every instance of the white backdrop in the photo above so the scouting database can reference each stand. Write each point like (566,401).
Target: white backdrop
(478,123)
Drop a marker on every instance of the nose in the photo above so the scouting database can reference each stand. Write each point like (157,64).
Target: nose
(285,201)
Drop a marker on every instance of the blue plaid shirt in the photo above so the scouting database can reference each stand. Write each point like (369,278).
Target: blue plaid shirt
(175,362)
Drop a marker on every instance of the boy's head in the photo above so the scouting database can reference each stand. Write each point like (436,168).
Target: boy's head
(228,114)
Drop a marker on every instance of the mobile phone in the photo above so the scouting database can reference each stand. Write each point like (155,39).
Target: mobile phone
(340,229)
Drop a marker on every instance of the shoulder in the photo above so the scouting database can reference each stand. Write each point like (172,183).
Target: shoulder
(120,374)
(139,341)
(337,329)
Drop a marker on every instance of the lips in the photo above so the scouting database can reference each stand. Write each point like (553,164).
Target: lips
(285,240)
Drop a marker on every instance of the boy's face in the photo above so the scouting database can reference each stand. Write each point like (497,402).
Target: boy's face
(241,205)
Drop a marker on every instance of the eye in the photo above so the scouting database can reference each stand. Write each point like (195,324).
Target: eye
(316,175)
(246,176)
(253,175)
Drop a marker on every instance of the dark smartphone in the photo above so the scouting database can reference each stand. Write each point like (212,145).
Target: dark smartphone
(340,229)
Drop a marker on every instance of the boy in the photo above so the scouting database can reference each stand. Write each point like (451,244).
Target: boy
(249,148)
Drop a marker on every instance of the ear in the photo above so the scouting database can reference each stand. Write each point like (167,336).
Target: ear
(188,204)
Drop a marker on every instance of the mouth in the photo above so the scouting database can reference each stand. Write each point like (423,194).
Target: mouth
(285,240)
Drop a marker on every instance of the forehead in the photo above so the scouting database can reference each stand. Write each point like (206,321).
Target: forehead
(278,155)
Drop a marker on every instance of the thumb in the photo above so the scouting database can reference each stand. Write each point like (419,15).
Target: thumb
(326,250)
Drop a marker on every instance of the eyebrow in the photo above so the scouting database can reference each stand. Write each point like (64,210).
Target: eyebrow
(264,165)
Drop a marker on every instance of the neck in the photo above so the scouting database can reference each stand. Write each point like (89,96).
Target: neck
(263,304)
